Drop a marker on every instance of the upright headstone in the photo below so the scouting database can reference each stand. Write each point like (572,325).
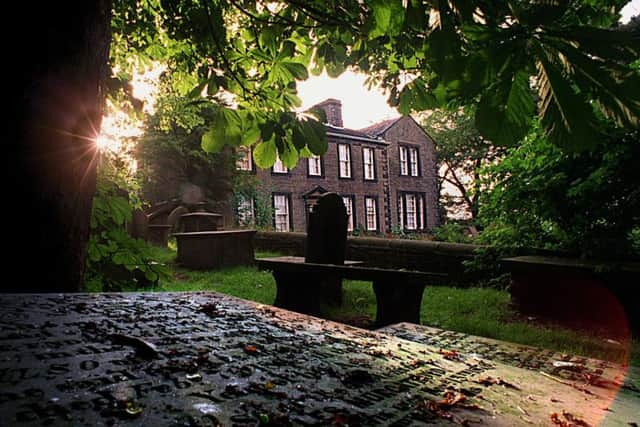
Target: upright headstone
(174,217)
(138,227)
(326,243)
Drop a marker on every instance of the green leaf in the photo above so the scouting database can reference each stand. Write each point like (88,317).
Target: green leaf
(298,138)
(417,17)
(565,115)
(267,129)
(196,92)
(234,127)
(617,94)
(298,70)
(289,155)
(504,113)
(287,51)
(267,39)
(213,140)
(315,134)
(388,16)
(334,69)
(414,97)
(250,136)
(264,155)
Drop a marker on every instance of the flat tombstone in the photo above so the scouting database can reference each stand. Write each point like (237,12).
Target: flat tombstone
(326,241)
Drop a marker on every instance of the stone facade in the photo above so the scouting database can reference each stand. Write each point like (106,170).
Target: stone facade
(408,201)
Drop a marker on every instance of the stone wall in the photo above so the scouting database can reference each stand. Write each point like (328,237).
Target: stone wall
(391,253)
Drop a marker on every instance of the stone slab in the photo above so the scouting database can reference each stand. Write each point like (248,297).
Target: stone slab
(578,371)
(207,359)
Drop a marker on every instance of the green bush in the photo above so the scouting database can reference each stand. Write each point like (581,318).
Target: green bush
(115,260)
(452,232)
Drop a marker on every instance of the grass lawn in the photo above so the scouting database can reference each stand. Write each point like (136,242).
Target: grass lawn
(475,311)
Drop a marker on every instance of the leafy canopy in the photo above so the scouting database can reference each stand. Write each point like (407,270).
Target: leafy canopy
(556,59)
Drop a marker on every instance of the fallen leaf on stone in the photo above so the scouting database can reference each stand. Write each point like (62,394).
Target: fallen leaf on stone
(210,309)
(573,420)
(133,409)
(450,354)
(451,398)
(569,421)
(143,348)
(488,380)
(250,349)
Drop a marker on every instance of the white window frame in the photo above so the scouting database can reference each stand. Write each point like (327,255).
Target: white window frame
(279,167)
(371,213)
(348,204)
(344,161)
(411,211)
(246,210)
(413,162)
(368,162)
(314,166)
(404,162)
(281,212)
(244,163)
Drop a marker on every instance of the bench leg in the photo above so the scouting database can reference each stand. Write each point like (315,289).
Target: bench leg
(397,302)
(295,295)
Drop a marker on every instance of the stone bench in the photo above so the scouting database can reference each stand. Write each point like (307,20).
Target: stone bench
(398,292)
(603,293)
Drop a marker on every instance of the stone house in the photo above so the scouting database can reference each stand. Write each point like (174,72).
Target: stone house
(386,174)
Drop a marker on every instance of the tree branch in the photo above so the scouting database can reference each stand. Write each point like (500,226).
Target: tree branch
(225,60)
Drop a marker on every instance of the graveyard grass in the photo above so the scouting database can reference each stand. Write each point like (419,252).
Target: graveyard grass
(476,311)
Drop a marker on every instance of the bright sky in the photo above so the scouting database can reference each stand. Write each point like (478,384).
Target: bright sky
(631,9)
(360,107)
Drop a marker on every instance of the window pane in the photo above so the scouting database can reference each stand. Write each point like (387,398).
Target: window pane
(411,211)
(404,167)
(344,160)
(278,167)
(348,203)
(315,166)
(367,156)
(370,208)
(421,213)
(243,162)
(281,208)
(414,161)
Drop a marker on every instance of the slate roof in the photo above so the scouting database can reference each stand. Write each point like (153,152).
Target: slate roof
(377,129)
(351,132)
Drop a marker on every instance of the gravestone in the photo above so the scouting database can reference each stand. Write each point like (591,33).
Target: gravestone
(138,227)
(326,243)
(174,217)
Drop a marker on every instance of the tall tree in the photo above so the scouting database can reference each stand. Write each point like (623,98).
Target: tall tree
(50,158)
(461,153)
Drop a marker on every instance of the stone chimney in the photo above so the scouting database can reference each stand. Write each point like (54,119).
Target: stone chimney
(333,110)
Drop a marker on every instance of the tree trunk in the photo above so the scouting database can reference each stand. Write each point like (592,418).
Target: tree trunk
(60,69)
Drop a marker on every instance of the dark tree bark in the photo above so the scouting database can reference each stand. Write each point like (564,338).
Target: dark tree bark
(60,63)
